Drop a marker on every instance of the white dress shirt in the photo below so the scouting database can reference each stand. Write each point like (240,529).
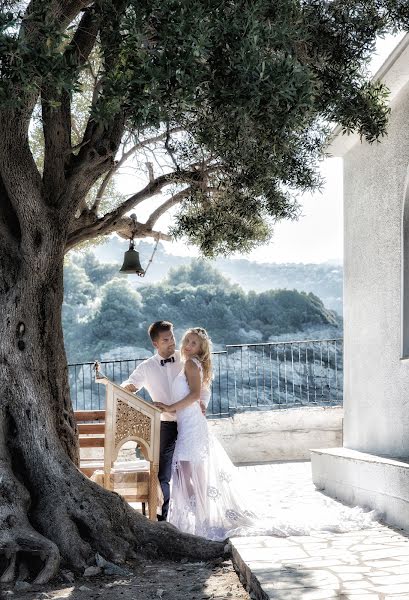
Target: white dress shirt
(157,380)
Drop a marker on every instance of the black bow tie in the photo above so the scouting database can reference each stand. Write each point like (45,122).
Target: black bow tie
(166,360)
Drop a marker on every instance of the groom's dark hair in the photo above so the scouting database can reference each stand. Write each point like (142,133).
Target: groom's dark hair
(157,327)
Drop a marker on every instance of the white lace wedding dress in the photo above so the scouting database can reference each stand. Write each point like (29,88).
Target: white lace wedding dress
(206,495)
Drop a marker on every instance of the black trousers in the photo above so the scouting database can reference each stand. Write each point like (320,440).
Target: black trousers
(168,435)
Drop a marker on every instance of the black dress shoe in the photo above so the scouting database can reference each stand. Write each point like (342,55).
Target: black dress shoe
(160,518)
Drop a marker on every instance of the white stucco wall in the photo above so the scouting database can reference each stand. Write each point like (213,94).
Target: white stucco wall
(264,436)
(357,478)
(376,384)
(256,437)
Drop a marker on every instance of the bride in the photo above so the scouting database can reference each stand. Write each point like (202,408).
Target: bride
(205,496)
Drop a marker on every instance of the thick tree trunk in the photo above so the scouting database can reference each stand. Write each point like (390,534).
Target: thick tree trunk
(47,507)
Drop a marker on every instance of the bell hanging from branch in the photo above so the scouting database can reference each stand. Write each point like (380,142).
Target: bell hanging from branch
(132,265)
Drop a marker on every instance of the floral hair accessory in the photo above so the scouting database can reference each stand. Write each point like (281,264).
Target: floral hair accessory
(201,333)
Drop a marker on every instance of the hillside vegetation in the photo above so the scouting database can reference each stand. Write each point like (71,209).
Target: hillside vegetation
(105,314)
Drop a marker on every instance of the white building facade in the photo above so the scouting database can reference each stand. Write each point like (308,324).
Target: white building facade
(372,467)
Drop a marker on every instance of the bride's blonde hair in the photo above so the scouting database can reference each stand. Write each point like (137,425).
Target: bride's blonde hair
(205,353)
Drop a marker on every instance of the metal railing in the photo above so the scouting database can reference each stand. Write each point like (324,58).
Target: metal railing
(284,374)
(271,375)
(86,394)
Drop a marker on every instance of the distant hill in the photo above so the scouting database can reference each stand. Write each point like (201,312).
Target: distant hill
(323,280)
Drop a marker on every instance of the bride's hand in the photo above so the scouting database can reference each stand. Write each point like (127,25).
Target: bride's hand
(162,407)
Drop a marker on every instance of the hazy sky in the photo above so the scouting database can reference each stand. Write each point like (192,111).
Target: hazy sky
(318,234)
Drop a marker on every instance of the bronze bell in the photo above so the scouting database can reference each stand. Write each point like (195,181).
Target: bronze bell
(131,264)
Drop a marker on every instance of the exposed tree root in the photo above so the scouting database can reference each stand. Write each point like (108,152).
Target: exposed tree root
(48,509)
(77,519)
(20,543)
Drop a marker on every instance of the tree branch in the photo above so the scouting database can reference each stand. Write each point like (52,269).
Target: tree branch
(56,110)
(100,142)
(94,159)
(57,143)
(109,175)
(89,226)
(63,11)
(81,45)
(10,232)
(169,148)
(31,36)
(71,8)
(121,162)
(163,208)
(123,227)
(152,188)
(18,170)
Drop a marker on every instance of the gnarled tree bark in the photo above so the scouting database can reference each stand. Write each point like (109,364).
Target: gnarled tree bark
(48,508)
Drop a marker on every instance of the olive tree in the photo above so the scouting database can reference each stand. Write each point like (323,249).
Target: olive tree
(231,99)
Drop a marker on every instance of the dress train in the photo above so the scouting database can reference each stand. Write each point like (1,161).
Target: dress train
(209,494)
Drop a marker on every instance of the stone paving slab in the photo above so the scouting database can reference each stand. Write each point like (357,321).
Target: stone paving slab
(367,564)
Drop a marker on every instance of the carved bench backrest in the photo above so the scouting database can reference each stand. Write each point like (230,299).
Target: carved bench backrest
(130,418)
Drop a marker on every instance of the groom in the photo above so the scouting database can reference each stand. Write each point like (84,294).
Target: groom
(156,375)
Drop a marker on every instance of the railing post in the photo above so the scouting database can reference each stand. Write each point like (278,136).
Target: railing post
(227,401)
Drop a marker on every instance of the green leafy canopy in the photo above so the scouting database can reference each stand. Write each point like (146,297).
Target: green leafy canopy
(249,86)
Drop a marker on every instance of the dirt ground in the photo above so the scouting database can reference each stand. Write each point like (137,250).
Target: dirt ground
(147,580)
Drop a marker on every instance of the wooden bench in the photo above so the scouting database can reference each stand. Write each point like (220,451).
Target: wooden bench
(132,483)
(91,429)
(126,417)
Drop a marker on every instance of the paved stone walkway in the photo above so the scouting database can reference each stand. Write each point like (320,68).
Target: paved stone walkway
(366,564)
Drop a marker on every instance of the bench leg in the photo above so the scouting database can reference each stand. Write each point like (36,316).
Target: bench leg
(153,491)
(144,509)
